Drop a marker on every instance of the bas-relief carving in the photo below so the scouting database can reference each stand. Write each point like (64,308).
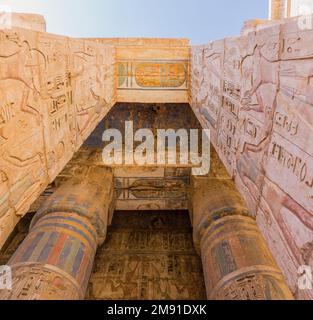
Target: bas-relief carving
(288,228)
(167,191)
(264,130)
(257,106)
(94,81)
(254,92)
(134,75)
(207,84)
(23,169)
(148,255)
(289,160)
(136,188)
(151,73)
(50,102)
(37,283)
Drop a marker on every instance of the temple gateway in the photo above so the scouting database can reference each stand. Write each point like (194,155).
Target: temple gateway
(74,227)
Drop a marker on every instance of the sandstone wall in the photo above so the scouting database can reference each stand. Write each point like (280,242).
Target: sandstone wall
(53,93)
(255,93)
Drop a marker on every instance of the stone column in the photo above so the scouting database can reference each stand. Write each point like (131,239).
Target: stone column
(237,263)
(55,260)
(280,9)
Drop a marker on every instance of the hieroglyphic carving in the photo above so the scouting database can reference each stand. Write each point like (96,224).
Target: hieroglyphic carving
(155,71)
(147,255)
(93,77)
(33,282)
(288,164)
(134,75)
(237,263)
(207,86)
(258,102)
(53,93)
(56,258)
(264,129)
(287,226)
(168,190)
(22,162)
(137,188)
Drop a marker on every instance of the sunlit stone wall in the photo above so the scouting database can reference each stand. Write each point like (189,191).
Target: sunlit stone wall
(53,93)
(255,94)
(151,70)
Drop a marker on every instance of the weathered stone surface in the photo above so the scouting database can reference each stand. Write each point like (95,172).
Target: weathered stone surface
(153,73)
(35,22)
(279,9)
(237,263)
(142,187)
(53,93)
(264,129)
(287,227)
(254,93)
(148,255)
(207,62)
(55,260)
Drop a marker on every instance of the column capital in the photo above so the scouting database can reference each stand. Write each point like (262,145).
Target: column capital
(88,192)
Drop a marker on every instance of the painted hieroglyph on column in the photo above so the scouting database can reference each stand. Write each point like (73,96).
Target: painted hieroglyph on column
(55,260)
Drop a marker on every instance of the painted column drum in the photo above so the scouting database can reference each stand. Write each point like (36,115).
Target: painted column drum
(55,260)
(237,263)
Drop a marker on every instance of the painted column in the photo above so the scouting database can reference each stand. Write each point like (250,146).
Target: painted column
(55,260)
(237,263)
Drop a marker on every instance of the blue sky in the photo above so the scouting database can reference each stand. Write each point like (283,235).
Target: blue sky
(198,20)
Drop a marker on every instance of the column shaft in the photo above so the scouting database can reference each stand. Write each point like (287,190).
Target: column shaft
(55,260)
(237,263)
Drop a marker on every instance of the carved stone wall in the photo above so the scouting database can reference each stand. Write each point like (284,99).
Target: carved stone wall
(255,94)
(53,93)
(148,255)
(152,70)
(55,90)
